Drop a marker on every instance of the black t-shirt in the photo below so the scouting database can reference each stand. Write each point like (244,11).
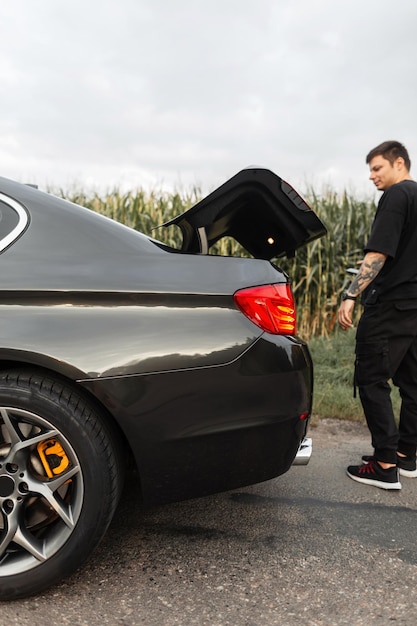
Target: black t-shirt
(394,233)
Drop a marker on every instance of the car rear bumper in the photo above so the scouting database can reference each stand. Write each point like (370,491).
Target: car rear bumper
(304,452)
(202,430)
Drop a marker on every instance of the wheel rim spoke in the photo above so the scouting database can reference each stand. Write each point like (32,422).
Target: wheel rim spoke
(19,535)
(27,443)
(31,545)
(17,442)
(9,425)
(10,528)
(50,492)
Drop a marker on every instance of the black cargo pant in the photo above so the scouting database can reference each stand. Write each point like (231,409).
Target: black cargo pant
(386,348)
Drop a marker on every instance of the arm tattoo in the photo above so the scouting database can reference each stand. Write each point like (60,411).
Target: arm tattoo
(367,273)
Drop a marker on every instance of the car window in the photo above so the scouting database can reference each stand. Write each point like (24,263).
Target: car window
(13,221)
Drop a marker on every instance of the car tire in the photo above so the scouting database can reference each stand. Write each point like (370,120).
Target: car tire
(61,476)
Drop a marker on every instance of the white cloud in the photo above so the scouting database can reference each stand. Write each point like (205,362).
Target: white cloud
(145,92)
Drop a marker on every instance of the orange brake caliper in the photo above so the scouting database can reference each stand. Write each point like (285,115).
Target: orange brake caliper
(53,457)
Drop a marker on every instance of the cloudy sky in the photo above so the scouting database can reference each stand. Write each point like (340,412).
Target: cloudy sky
(175,93)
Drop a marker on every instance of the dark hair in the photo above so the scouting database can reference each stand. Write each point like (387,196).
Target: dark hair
(390,150)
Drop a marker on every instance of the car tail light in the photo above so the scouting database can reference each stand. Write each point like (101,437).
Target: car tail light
(271,307)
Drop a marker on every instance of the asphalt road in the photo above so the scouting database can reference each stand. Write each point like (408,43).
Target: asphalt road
(311,547)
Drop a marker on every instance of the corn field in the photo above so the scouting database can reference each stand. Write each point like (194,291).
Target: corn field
(318,271)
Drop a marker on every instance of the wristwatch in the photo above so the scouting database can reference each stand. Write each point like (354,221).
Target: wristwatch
(348,296)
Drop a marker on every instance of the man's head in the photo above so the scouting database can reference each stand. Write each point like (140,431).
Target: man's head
(389,164)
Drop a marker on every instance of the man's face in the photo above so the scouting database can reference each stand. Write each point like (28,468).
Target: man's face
(383,174)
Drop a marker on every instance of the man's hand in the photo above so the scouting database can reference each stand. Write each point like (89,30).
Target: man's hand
(344,315)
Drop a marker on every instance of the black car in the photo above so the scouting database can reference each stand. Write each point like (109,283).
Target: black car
(118,353)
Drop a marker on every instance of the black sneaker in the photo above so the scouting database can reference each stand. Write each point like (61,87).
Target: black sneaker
(406,464)
(371,473)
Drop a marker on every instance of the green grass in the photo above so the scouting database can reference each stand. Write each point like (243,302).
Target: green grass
(333,359)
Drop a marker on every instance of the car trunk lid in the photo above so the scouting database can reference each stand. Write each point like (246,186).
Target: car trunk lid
(255,207)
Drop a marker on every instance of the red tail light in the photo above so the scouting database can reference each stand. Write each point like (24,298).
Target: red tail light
(271,307)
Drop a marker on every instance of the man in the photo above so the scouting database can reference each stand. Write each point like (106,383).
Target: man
(386,338)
